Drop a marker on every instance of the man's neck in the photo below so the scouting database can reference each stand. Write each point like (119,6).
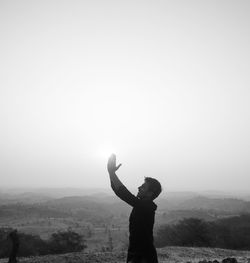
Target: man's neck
(145,198)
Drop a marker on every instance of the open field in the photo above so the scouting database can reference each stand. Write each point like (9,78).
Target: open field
(165,255)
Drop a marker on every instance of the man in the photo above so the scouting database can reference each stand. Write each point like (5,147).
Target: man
(141,221)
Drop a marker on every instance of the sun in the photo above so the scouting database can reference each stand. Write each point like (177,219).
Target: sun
(105,151)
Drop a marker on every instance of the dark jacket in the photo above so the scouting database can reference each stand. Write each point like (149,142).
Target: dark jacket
(141,223)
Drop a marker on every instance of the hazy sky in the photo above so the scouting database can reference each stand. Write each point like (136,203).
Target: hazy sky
(164,84)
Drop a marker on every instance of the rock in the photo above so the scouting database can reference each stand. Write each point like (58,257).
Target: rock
(229,260)
(209,261)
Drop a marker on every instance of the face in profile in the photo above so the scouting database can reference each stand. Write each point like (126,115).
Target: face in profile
(143,191)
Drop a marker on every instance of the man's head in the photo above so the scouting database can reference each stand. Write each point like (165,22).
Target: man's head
(150,189)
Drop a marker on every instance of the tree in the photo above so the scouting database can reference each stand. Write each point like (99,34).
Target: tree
(188,232)
(194,232)
(67,241)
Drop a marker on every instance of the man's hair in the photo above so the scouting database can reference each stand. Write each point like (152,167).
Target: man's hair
(154,186)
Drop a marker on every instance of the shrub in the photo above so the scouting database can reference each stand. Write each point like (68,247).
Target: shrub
(33,245)
(230,233)
(64,242)
(188,232)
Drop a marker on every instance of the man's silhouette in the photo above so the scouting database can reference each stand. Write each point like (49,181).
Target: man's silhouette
(141,221)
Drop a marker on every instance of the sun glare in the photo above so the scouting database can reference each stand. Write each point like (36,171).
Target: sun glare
(105,151)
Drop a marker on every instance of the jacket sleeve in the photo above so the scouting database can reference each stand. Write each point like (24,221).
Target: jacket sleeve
(124,194)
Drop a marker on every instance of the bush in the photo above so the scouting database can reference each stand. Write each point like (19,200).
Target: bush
(230,233)
(188,232)
(64,242)
(33,245)
(30,245)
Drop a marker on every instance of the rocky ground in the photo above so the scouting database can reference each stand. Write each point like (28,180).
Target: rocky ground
(165,255)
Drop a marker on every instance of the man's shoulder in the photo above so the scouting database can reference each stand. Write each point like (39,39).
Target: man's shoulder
(147,205)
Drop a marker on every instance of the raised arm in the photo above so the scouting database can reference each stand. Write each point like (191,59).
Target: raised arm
(120,190)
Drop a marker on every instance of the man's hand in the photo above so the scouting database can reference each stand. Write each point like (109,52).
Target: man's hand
(112,168)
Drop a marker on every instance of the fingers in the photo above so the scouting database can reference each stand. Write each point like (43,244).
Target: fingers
(112,158)
(112,163)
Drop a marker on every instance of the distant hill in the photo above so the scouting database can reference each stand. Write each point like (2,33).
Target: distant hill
(103,206)
(55,192)
(205,203)
(225,204)
(26,198)
(100,207)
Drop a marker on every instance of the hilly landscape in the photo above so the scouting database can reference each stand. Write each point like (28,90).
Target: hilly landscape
(30,209)
(102,220)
